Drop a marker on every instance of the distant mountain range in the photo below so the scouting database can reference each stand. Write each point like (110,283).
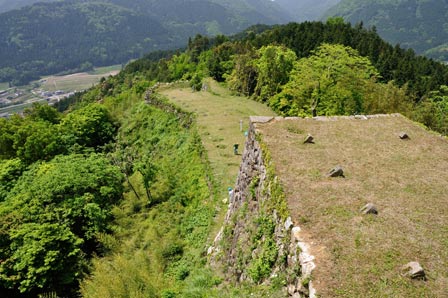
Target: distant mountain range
(7,5)
(418,24)
(73,35)
(305,10)
(56,36)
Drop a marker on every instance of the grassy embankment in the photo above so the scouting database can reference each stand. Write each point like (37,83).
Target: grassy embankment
(218,116)
(159,245)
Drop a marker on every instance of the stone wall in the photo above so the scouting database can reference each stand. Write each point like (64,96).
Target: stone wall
(258,242)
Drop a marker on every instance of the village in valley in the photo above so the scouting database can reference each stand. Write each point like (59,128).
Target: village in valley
(52,89)
(16,98)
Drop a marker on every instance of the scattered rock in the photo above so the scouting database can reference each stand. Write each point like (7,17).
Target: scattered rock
(301,288)
(309,139)
(403,136)
(336,172)
(296,295)
(369,209)
(361,117)
(313,291)
(291,289)
(288,223)
(414,270)
(296,233)
(210,250)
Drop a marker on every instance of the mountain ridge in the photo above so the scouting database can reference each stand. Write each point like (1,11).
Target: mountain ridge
(420,25)
(307,10)
(73,35)
(7,5)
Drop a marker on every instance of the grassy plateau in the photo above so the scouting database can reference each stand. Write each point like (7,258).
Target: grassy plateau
(362,255)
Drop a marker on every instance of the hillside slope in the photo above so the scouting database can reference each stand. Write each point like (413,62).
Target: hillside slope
(7,5)
(417,24)
(307,10)
(48,38)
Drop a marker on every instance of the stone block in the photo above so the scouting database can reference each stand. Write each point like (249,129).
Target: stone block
(369,209)
(309,139)
(403,136)
(296,233)
(336,172)
(414,270)
(288,223)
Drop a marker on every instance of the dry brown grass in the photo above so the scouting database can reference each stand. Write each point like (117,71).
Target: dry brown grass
(359,255)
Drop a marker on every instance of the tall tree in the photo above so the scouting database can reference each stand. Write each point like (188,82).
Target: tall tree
(273,66)
(50,218)
(330,82)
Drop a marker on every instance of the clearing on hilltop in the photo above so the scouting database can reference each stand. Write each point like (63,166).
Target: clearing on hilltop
(357,254)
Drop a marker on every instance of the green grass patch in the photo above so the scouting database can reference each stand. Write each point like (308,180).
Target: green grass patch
(105,69)
(4,86)
(221,125)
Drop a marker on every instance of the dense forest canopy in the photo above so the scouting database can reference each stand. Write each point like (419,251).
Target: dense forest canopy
(74,35)
(418,24)
(57,191)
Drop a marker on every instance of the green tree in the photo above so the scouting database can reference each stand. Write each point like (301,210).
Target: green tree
(196,82)
(90,126)
(181,67)
(243,78)
(148,171)
(50,218)
(273,67)
(10,171)
(220,61)
(330,82)
(37,140)
(433,110)
(8,127)
(42,112)
(196,46)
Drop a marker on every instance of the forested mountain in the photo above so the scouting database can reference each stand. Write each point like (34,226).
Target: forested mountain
(61,36)
(76,34)
(418,24)
(307,10)
(6,5)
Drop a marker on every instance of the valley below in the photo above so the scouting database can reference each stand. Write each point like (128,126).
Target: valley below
(50,89)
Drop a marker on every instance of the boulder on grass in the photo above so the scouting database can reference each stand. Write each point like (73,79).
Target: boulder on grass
(336,172)
(309,139)
(369,209)
(414,270)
